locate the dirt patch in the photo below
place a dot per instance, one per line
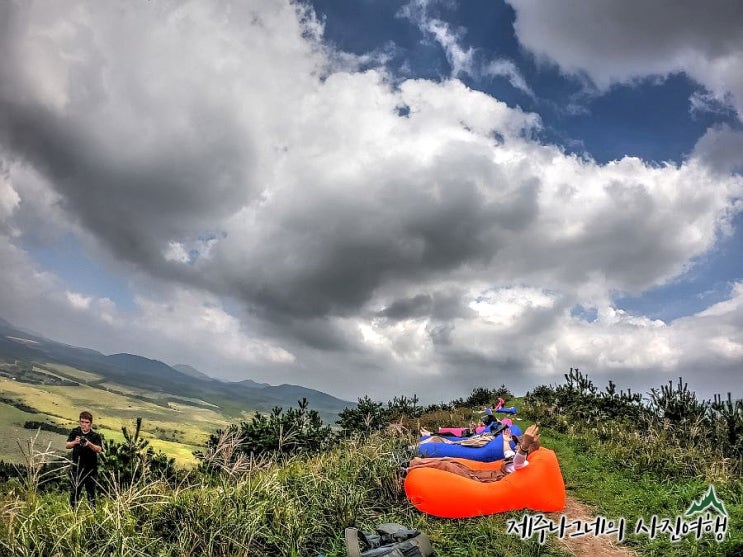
(588, 545)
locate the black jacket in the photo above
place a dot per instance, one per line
(85, 457)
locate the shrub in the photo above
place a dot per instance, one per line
(482, 397)
(134, 459)
(46, 426)
(368, 416)
(677, 405)
(671, 433)
(403, 407)
(296, 431)
(727, 430)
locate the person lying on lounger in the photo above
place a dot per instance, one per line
(513, 461)
(471, 440)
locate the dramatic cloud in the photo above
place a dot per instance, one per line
(617, 42)
(283, 215)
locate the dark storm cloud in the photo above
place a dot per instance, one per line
(613, 42)
(630, 30)
(133, 204)
(440, 333)
(317, 333)
(142, 135)
(329, 253)
(487, 372)
(154, 160)
(417, 306)
(442, 306)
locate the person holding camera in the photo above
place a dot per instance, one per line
(85, 444)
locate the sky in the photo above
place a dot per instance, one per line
(380, 197)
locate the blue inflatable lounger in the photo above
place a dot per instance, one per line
(490, 452)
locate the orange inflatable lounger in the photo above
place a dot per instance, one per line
(538, 486)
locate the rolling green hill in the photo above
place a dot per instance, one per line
(154, 376)
(45, 381)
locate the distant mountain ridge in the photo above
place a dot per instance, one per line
(193, 372)
(190, 370)
(179, 380)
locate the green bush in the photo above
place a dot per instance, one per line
(367, 417)
(296, 431)
(46, 426)
(134, 459)
(678, 404)
(727, 429)
(482, 397)
(670, 433)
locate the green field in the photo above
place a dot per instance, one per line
(70, 372)
(175, 426)
(13, 433)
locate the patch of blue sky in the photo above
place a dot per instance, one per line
(708, 281)
(68, 260)
(202, 246)
(588, 314)
(488, 25)
(364, 26)
(650, 119)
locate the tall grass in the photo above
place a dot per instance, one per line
(618, 451)
(39, 465)
(296, 505)
(642, 456)
(281, 507)
(670, 433)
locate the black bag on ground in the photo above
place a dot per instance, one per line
(390, 540)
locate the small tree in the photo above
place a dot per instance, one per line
(296, 431)
(135, 458)
(728, 429)
(367, 417)
(403, 407)
(677, 404)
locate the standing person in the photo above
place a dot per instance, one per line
(85, 444)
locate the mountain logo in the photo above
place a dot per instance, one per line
(706, 503)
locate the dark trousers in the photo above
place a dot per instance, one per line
(81, 478)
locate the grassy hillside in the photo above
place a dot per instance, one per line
(623, 458)
(300, 506)
(12, 432)
(174, 425)
(29, 358)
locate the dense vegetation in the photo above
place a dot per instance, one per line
(286, 483)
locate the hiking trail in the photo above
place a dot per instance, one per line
(589, 546)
